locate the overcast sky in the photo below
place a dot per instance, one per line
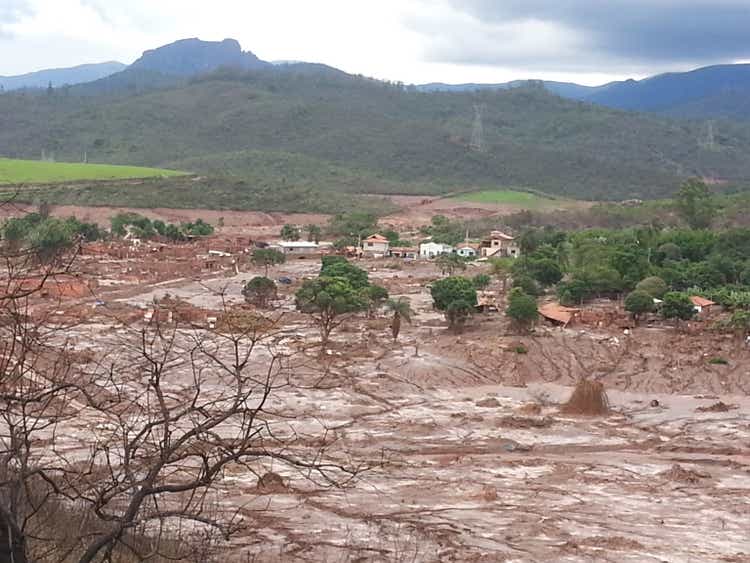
(414, 41)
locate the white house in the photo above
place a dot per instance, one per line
(376, 245)
(301, 247)
(433, 249)
(466, 251)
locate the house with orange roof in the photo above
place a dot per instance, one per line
(376, 245)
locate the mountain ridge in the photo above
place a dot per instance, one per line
(57, 77)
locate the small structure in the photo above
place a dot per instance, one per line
(487, 301)
(701, 304)
(407, 253)
(558, 314)
(466, 251)
(500, 245)
(375, 245)
(302, 248)
(434, 249)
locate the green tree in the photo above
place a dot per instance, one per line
(330, 260)
(355, 224)
(267, 257)
(545, 271)
(328, 301)
(290, 233)
(522, 309)
(374, 296)
(160, 227)
(526, 283)
(638, 303)
(677, 306)
(695, 204)
(654, 286)
(740, 322)
(49, 238)
(457, 313)
(314, 233)
(259, 291)
(444, 231)
(356, 276)
(449, 264)
(401, 309)
(669, 251)
(173, 232)
(199, 228)
(456, 297)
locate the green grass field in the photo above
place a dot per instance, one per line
(525, 200)
(37, 172)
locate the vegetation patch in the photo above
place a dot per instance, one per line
(14, 171)
(526, 200)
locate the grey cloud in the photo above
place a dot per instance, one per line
(590, 35)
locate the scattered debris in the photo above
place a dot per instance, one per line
(489, 402)
(681, 475)
(720, 406)
(524, 422)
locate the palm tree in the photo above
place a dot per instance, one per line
(401, 308)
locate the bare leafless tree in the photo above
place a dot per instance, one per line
(135, 441)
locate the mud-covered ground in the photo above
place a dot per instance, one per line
(469, 457)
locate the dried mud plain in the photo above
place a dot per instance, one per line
(470, 457)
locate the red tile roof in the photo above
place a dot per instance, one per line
(701, 301)
(377, 238)
(556, 312)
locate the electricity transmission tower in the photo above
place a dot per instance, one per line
(477, 134)
(709, 142)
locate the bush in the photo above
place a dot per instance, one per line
(481, 281)
(718, 361)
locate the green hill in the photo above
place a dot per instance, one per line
(303, 128)
(14, 171)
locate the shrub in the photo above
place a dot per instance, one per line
(718, 361)
(481, 281)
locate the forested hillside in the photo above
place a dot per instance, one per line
(315, 127)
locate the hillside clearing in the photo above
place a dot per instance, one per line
(13, 171)
(521, 199)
